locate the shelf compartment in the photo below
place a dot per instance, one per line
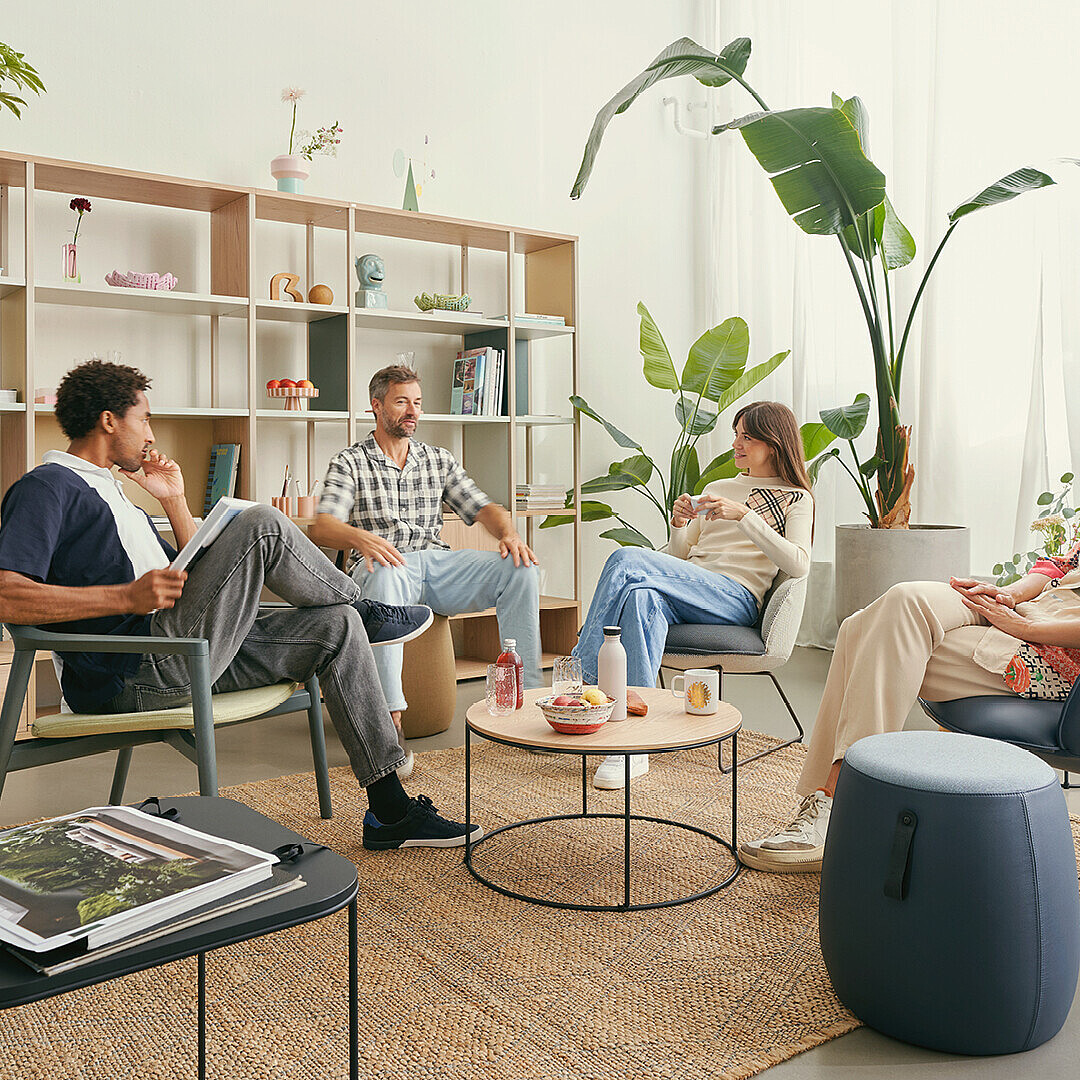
(194, 413)
(419, 322)
(310, 416)
(290, 311)
(9, 285)
(547, 603)
(156, 300)
(536, 332)
(545, 421)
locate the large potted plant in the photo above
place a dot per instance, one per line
(713, 378)
(817, 161)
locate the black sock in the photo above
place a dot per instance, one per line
(387, 799)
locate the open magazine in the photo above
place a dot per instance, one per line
(111, 871)
(225, 509)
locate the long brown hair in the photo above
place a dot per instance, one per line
(775, 425)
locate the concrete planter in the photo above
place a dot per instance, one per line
(870, 561)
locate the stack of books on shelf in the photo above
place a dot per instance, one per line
(536, 320)
(540, 497)
(79, 888)
(479, 386)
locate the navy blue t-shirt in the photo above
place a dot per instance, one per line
(68, 522)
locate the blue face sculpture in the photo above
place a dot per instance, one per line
(370, 271)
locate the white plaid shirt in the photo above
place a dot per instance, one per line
(365, 489)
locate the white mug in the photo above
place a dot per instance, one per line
(700, 690)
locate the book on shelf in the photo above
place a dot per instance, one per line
(109, 872)
(542, 320)
(477, 384)
(221, 476)
(225, 509)
(448, 313)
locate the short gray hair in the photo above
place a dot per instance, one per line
(393, 375)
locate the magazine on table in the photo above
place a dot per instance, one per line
(109, 872)
(225, 509)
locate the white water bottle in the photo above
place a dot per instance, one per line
(611, 670)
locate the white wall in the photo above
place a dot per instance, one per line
(506, 93)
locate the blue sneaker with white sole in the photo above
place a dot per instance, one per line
(422, 826)
(392, 624)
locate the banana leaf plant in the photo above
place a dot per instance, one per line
(17, 70)
(713, 378)
(817, 160)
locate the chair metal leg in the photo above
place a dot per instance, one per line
(203, 708)
(22, 667)
(318, 747)
(1065, 782)
(772, 750)
(120, 774)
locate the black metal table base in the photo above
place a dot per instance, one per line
(626, 817)
(354, 1002)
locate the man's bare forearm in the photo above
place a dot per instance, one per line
(183, 524)
(497, 521)
(27, 602)
(328, 532)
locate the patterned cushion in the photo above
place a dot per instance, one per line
(707, 639)
(228, 708)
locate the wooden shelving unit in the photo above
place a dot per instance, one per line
(235, 295)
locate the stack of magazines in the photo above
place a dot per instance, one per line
(540, 497)
(82, 887)
(479, 386)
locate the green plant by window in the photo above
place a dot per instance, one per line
(17, 70)
(713, 378)
(1059, 525)
(817, 161)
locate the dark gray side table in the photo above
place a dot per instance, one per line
(331, 885)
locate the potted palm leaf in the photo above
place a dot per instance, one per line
(817, 161)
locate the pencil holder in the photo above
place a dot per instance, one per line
(305, 506)
(284, 503)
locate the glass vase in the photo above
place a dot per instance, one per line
(70, 253)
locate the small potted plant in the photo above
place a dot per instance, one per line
(291, 170)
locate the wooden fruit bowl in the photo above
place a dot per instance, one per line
(293, 395)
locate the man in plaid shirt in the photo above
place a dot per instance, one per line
(382, 502)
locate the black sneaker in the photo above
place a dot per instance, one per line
(420, 827)
(391, 624)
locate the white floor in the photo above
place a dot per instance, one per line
(280, 746)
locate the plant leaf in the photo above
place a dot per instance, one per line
(635, 471)
(720, 468)
(717, 359)
(682, 57)
(815, 437)
(622, 439)
(816, 164)
(590, 511)
(1004, 190)
(814, 467)
(700, 421)
(897, 244)
(868, 468)
(658, 368)
(627, 536)
(749, 379)
(1045, 499)
(847, 421)
(684, 472)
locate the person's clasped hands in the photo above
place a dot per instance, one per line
(711, 507)
(994, 603)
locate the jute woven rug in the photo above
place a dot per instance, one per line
(457, 981)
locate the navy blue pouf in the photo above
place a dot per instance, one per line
(949, 911)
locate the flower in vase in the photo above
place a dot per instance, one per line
(325, 141)
(80, 206)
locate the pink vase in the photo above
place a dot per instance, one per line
(70, 254)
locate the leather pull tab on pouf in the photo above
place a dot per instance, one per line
(949, 911)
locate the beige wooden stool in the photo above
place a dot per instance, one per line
(429, 679)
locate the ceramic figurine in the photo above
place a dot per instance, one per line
(370, 271)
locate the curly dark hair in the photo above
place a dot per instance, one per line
(92, 388)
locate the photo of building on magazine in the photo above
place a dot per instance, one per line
(60, 879)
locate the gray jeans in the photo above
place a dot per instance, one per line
(322, 634)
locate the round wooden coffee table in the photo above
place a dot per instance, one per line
(666, 729)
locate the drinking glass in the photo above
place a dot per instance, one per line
(501, 689)
(566, 675)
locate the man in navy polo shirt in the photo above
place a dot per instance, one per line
(77, 555)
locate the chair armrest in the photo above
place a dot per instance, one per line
(30, 638)
(1069, 726)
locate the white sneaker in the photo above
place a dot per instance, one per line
(798, 848)
(611, 774)
(406, 770)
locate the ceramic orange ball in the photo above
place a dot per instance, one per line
(321, 294)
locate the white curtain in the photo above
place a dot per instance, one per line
(959, 94)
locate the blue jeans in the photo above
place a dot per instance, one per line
(451, 582)
(645, 592)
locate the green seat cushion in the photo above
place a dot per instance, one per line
(228, 709)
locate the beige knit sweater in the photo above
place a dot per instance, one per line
(751, 550)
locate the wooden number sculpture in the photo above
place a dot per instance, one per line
(291, 281)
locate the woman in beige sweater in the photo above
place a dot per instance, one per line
(727, 545)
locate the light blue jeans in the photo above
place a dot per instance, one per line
(645, 592)
(452, 582)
